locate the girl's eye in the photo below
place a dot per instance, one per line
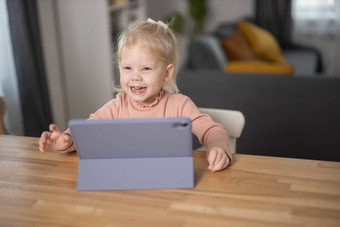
(127, 68)
(146, 69)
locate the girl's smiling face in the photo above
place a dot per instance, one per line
(142, 74)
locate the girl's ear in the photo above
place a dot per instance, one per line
(168, 73)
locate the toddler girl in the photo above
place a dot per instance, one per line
(148, 59)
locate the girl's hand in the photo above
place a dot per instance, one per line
(217, 159)
(55, 140)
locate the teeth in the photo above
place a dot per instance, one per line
(138, 88)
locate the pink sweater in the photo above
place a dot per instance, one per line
(168, 104)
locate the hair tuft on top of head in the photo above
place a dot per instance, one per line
(161, 23)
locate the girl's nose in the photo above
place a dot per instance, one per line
(136, 77)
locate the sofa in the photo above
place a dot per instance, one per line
(233, 47)
(286, 116)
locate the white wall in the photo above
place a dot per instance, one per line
(86, 54)
(52, 54)
(77, 49)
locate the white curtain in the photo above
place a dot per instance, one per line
(317, 23)
(8, 81)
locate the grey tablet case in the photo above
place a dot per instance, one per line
(148, 153)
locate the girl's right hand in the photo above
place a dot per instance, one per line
(55, 140)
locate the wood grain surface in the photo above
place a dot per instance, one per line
(39, 189)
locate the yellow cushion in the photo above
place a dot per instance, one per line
(258, 67)
(262, 42)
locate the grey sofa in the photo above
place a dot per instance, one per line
(285, 116)
(206, 52)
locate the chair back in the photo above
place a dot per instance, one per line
(233, 121)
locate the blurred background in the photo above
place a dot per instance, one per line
(57, 57)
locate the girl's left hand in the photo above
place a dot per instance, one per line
(217, 159)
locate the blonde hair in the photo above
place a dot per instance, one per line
(158, 39)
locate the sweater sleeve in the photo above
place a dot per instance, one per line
(208, 132)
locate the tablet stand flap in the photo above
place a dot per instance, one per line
(135, 173)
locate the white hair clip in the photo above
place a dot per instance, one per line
(159, 23)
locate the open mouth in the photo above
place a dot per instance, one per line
(137, 89)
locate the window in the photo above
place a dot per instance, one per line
(316, 23)
(314, 9)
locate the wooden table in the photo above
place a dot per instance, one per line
(39, 189)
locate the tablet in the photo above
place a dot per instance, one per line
(135, 153)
